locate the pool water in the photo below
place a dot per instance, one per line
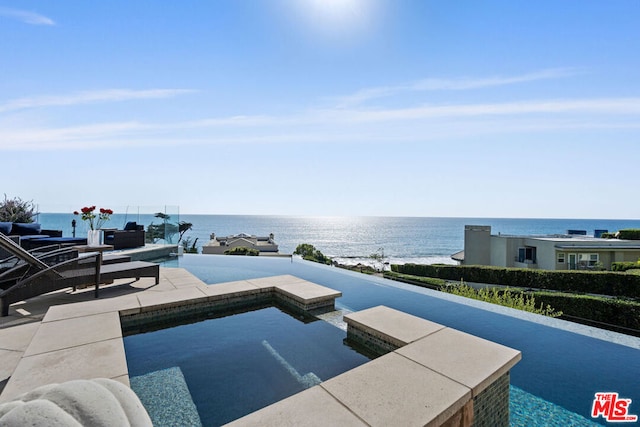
(562, 363)
(231, 366)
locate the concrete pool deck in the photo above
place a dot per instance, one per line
(64, 336)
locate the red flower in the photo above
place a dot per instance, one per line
(89, 215)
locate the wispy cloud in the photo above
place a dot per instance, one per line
(463, 83)
(26, 16)
(89, 97)
(422, 123)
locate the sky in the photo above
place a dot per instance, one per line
(524, 109)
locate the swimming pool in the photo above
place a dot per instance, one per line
(563, 363)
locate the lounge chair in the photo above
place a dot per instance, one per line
(38, 275)
(44, 253)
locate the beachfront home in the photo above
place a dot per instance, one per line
(572, 251)
(218, 245)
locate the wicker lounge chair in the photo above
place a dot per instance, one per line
(38, 275)
(48, 254)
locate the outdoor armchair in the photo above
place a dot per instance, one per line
(132, 236)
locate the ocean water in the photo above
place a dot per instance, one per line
(353, 239)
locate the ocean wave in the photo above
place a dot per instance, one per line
(355, 260)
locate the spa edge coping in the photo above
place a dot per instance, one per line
(84, 341)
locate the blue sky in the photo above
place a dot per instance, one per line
(334, 107)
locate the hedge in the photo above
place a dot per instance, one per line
(612, 311)
(600, 282)
(629, 234)
(427, 282)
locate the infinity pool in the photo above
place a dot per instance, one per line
(563, 364)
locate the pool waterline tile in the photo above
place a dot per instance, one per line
(173, 298)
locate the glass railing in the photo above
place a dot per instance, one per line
(161, 223)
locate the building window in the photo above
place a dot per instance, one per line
(560, 257)
(588, 260)
(527, 254)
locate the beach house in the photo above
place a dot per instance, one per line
(219, 244)
(574, 250)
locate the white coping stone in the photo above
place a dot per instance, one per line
(396, 326)
(307, 292)
(77, 331)
(312, 407)
(105, 359)
(467, 359)
(88, 308)
(393, 390)
(285, 279)
(229, 289)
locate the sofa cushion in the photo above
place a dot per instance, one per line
(22, 229)
(5, 228)
(131, 225)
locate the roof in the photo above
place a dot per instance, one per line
(578, 241)
(603, 246)
(458, 256)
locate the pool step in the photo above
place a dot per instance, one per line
(335, 318)
(166, 398)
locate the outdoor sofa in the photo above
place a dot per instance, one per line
(32, 235)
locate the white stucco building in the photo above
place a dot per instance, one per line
(218, 245)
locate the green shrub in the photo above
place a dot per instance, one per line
(241, 250)
(17, 210)
(505, 297)
(310, 253)
(629, 234)
(189, 247)
(624, 266)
